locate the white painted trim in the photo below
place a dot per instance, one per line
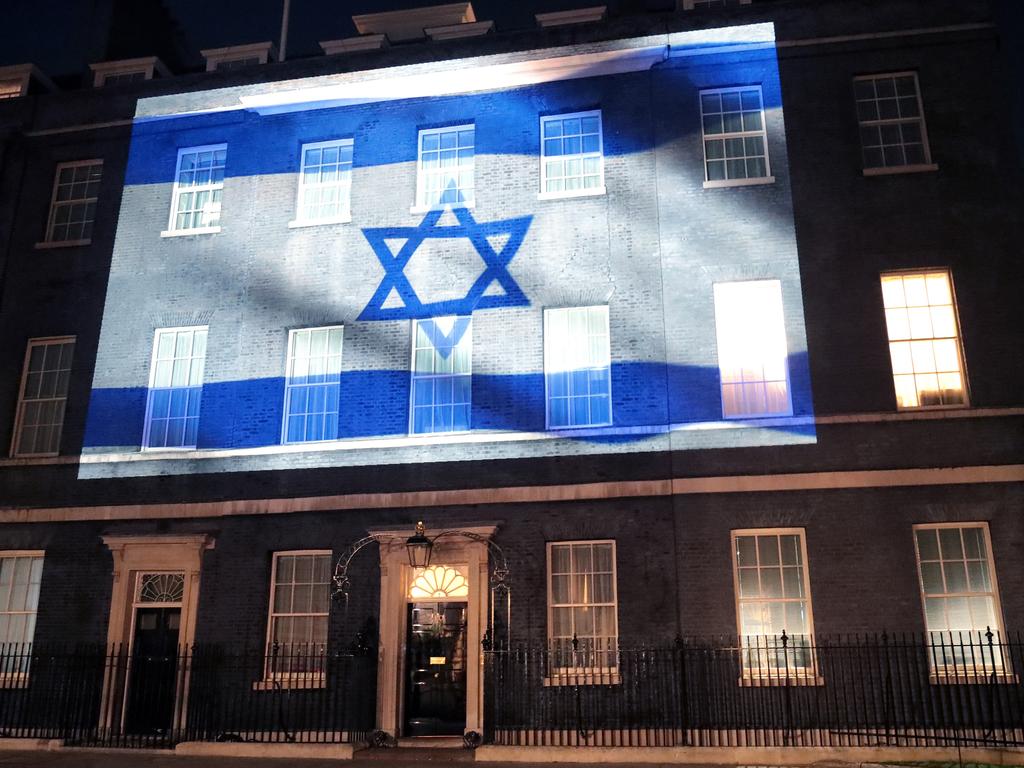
(495, 436)
(187, 232)
(581, 155)
(588, 429)
(421, 205)
(724, 183)
(265, 51)
(298, 221)
(146, 424)
(19, 413)
(287, 375)
(803, 675)
(761, 134)
(271, 680)
(533, 494)
(176, 190)
(48, 241)
(944, 675)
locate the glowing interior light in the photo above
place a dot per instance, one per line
(752, 353)
(923, 339)
(439, 581)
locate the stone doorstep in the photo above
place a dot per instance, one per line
(834, 757)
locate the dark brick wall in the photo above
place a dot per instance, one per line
(673, 560)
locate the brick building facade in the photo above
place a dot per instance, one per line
(875, 161)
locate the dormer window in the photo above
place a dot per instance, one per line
(127, 71)
(238, 56)
(17, 80)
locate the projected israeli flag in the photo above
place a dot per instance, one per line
(544, 253)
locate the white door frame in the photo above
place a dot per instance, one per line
(395, 578)
(133, 555)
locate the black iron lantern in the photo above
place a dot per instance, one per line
(419, 546)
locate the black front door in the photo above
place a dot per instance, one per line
(435, 670)
(151, 686)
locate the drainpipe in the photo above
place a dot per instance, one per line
(284, 30)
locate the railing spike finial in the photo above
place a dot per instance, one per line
(785, 639)
(575, 642)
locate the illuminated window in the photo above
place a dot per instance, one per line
(577, 367)
(175, 388)
(958, 593)
(445, 166)
(892, 129)
(752, 354)
(11, 89)
(773, 594)
(313, 384)
(325, 183)
(572, 159)
(735, 143)
(199, 181)
(582, 605)
(442, 374)
(439, 581)
(73, 204)
(20, 576)
(299, 605)
(924, 342)
(44, 393)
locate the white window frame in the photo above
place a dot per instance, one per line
(148, 66)
(547, 394)
(152, 382)
(345, 216)
(981, 672)
(176, 192)
(413, 378)
(288, 387)
(788, 410)
(19, 678)
(48, 241)
(958, 341)
(421, 205)
(886, 170)
(20, 412)
(762, 134)
(584, 675)
(261, 52)
(798, 675)
(600, 189)
(271, 678)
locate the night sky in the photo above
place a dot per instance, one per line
(56, 34)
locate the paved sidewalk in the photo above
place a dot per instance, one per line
(394, 758)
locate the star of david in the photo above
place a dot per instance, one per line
(495, 287)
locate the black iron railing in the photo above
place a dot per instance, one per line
(106, 696)
(941, 689)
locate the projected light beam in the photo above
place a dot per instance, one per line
(395, 297)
